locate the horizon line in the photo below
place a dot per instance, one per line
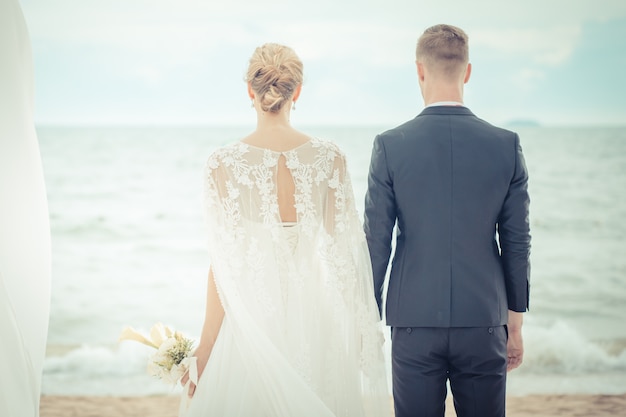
(511, 124)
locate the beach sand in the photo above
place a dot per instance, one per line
(167, 406)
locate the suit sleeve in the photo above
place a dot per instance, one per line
(380, 216)
(514, 235)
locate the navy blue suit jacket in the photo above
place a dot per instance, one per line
(457, 188)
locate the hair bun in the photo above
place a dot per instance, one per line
(274, 73)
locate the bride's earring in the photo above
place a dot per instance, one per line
(293, 107)
(252, 103)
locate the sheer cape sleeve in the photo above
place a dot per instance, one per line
(348, 261)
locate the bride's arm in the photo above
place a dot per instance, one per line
(212, 319)
(212, 322)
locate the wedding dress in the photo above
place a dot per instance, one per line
(24, 227)
(301, 334)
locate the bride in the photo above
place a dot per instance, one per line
(291, 326)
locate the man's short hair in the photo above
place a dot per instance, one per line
(444, 48)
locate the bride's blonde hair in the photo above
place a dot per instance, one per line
(274, 73)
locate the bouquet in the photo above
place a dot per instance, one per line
(173, 352)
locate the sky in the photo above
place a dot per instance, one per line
(182, 62)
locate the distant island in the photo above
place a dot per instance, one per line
(523, 123)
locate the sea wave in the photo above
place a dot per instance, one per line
(560, 349)
(102, 370)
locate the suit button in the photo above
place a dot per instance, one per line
(490, 330)
(409, 330)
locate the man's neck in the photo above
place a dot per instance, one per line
(447, 98)
(442, 92)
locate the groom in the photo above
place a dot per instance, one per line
(459, 281)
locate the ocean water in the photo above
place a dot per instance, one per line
(128, 247)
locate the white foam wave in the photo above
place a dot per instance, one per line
(99, 370)
(560, 349)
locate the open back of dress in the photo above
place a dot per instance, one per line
(285, 192)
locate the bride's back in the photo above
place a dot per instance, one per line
(281, 140)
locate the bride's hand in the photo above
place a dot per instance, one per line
(202, 359)
(210, 329)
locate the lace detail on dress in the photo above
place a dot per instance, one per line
(264, 180)
(301, 291)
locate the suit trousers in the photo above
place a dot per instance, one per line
(473, 359)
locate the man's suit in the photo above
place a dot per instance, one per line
(457, 188)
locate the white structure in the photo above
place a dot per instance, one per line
(24, 226)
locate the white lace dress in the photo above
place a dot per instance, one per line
(301, 334)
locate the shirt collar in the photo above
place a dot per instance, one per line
(446, 103)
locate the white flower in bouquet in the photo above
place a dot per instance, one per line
(172, 357)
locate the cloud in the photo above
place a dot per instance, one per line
(161, 61)
(547, 46)
(364, 43)
(585, 89)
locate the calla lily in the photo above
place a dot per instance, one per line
(157, 334)
(131, 334)
(169, 332)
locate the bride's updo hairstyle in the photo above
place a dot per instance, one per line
(274, 73)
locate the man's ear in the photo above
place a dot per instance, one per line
(420, 70)
(468, 72)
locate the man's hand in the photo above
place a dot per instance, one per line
(515, 344)
(514, 350)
